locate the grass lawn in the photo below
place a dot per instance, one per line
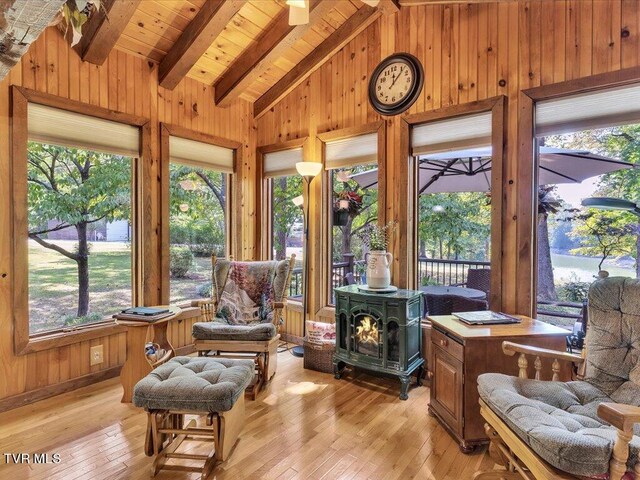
(53, 283)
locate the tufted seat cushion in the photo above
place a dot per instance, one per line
(194, 384)
(557, 420)
(222, 331)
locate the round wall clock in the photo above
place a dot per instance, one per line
(396, 83)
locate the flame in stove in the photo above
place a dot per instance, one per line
(367, 331)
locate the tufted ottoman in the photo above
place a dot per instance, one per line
(200, 386)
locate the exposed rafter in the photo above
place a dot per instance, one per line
(102, 31)
(276, 39)
(196, 39)
(354, 25)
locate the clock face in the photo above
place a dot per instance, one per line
(396, 83)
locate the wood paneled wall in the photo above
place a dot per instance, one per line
(128, 84)
(469, 52)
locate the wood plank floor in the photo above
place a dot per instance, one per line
(305, 424)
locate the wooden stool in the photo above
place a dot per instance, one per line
(166, 430)
(193, 386)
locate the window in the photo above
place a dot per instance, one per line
(353, 181)
(80, 218)
(454, 160)
(199, 187)
(586, 147)
(285, 219)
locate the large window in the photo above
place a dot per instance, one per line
(284, 218)
(352, 164)
(80, 218)
(454, 164)
(588, 146)
(199, 187)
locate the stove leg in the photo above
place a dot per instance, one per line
(419, 375)
(337, 370)
(404, 387)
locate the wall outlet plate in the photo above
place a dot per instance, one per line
(97, 355)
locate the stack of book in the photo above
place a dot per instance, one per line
(143, 314)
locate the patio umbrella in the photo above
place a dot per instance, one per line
(469, 170)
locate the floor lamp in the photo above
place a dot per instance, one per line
(308, 171)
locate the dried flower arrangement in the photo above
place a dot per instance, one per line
(376, 237)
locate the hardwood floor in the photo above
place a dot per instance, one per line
(305, 424)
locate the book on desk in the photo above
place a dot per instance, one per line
(485, 317)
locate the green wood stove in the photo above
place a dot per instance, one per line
(379, 332)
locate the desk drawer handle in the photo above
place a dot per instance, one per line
(444, 343)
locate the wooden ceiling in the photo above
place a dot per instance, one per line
(243, 47)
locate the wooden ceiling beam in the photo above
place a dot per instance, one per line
(278, 37)
(195, 40)
(103, 29)
(354, 25)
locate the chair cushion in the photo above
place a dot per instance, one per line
(613, 338)
(195, 384)
(223, 331)
(557, 420)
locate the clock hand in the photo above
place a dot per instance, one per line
(393, 81)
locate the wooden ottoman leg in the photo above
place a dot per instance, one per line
(230, 424)
(272, 360)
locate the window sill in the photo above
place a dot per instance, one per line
(47, 341)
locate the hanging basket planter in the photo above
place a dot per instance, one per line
(340, 218)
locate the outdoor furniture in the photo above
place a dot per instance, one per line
(196, 386)
(349, 279)
(478, 279)
(576, 429)
(448, 304)
(243, 316)
(438, 300)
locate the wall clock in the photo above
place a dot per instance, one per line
(396, 83)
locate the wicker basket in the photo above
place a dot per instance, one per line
(319, 357)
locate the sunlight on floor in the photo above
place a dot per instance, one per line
(304, 388)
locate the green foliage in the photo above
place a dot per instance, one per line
(284, 213)
(181, 260)
(454, 224)
(73, 186)
(345, 239)
(605, 233)
(573, 291)
(197, 209)
(73, 320)
(376, 237)
(204, 290)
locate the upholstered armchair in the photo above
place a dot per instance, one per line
(243, 315)
(578, 429)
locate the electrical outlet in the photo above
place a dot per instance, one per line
(97, 355)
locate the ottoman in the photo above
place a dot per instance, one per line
(198, 386)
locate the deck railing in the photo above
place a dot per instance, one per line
(436, 271)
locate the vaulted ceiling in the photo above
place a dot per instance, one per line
(245, 48)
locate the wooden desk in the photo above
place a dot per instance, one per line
(136, 366)
(460, 353)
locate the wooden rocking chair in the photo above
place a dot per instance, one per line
(216, 337)
(575, 430)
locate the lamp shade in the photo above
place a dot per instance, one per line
(309, 169)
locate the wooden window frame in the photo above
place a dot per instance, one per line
(233, 204)
(323, 256)
(265, 213)
(408, 171)
(142, 257)
(527, 185)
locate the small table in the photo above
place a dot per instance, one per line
(459, 291)
(137, 366)
(461, 352)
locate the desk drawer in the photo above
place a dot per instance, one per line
(447, 344)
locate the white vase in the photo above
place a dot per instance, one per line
(378, 271)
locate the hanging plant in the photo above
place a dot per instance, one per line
(74, 14)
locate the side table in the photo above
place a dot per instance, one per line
(137, 366)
